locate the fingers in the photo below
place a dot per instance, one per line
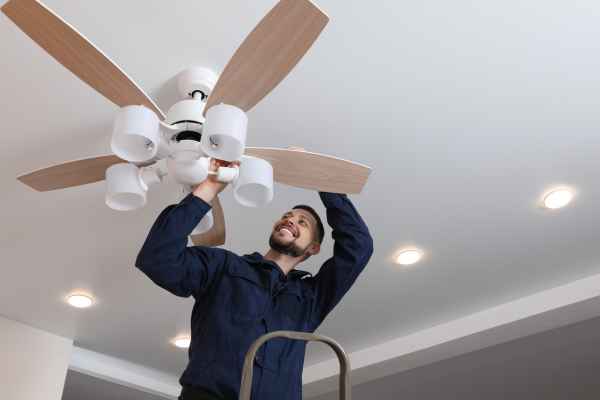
(215, 164)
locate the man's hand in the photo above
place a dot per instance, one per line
(211, 187)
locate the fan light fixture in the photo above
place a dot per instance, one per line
(136, 134)
(254, 185)
(208, 121)
(224, 134)
(189, 172)
(126, 185)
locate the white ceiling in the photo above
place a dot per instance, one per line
(467, 111)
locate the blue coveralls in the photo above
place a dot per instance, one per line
(238, 299)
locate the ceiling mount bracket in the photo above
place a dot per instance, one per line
(196, 80)
(203, 96)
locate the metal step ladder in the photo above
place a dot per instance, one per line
(246, 386)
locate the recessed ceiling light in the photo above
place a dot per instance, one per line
(80, 300)
(409, 256)
(558, 198)
(183, 342)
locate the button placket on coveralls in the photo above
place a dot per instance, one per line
(277, 283)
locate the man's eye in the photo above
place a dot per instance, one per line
(303, 222)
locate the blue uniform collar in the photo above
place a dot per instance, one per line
(256, 259)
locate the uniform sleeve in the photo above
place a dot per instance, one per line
(352, 250)
(167, 260)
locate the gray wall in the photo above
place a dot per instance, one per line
(33, 363)
(558, 364)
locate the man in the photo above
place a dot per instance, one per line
(238, 299)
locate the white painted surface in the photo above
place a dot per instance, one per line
(33, 363)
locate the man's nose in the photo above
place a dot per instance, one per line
(291, 221)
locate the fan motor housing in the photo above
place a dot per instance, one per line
(190, 110)
(186, 116)
(194, 86)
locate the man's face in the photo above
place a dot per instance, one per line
(294, 234)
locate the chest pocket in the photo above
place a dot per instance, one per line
(248, 293)
(292, 308)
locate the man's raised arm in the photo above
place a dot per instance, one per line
(352, 250)
(165, 257)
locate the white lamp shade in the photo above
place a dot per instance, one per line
(188, 172)
(224, 133)
(136, 134)
(125, 190)
(205, 224)
(254, 184)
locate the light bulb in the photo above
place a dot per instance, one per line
(80, 300)
(409, 256)
(182, 342)
(558, 198)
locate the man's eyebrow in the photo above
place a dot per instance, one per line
(303, 215)
(306, 218)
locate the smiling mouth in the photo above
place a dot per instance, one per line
(287, 228)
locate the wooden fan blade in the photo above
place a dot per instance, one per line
(76, 53)
(313, 170)
(69, 174)
(269, 53)
(216, 235)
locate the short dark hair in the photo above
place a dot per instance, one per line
(320, 228)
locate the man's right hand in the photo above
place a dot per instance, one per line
(211, 187)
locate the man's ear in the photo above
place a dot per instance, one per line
(314, 248)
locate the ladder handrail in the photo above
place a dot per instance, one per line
(246, 385)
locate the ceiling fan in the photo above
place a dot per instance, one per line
(210, 121)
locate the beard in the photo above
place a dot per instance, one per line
(291, 249)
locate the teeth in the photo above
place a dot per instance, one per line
(289, 231)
